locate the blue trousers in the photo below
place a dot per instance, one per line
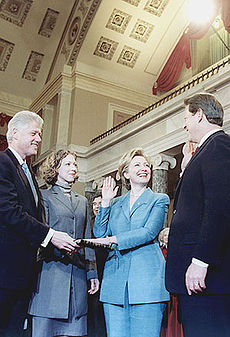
(134, 320)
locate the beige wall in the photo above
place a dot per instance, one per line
(90, 115)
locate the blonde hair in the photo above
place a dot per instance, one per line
(125, 161)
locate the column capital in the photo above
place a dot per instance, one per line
(163, 161)
(97, 184)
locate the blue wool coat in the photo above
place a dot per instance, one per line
(137, 262)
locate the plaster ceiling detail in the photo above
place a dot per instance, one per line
(33, 66)
(15, 11)
(87, 9)
(128, 56)
(48, 23)
(133, 2)
(156, 7)
(118, 21)
(6, 49)
(106, 48)
(142, 30)
(122, 43)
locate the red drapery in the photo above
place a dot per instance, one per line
(4, 119)
(181, 54)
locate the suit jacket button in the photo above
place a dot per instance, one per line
(174, 212)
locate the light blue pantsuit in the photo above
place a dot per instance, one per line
(133, 319)
(133, 286)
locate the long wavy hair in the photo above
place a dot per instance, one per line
(52, 163)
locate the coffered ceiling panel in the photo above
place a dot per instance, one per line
(125, 42)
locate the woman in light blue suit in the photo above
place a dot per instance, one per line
(133, 286)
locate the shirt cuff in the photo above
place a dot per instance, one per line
(199, 262)
(48, 238)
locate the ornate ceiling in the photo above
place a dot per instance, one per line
(125, 42)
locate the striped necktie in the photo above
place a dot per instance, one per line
(28, 175)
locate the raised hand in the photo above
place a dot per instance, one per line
(109, 191)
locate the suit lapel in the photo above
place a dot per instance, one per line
(75, 200)
(194, 157)
(59, 195)
(140, 201)
(22, 175)
(125, 205)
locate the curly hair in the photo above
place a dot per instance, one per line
(125, 161)
(52, 163)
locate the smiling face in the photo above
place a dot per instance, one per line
(26, 141)
(67, 171)
(138, 171)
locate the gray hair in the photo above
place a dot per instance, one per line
(21, 120)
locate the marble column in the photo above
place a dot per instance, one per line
(161, 164)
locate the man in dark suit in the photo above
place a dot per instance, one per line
(22, 229)
(199, 241)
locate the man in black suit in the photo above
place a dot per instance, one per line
(22, 228)
(198, 254)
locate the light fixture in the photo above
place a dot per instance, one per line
(200, 11)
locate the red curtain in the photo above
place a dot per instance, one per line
(181, 54)
(226, 14)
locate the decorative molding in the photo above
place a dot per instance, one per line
(133, 2)
(15, 11)
(118, 21)
(106, 48)
(33, 66)
(74, 30)
(105, 88)
(156, 7)
(48, 23)
(141, 30)
(81, 33)
(128, 56)
(10, 104)
(6, 49)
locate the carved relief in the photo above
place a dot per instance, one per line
(33, 66)
(133, 2)
(118, 21)
(74, 30)
(79, 31)
(106, 48)
(15, 11)
(48, 22)
(6, 49)
(156, 7)
(141, 30)
(128, 56)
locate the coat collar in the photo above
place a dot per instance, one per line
(124, 202)
(59, 195)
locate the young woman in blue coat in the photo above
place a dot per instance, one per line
(133, 287)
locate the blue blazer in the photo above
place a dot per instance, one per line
(137, 262)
